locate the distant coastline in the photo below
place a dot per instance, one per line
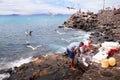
(37, 15)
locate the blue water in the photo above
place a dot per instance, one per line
(13, 38)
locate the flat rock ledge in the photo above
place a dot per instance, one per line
(51, 67)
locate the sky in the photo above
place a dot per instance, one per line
(25, 7)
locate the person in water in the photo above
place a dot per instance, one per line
(71, 51)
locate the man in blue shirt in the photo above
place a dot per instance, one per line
(71, 50)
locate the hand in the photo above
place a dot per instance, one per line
(91, 51)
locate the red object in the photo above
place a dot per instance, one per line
(112, 51)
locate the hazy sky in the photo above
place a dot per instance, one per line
(52, 6)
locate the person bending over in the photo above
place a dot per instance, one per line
(88, 44)
(71, 50)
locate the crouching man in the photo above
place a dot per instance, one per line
(71, 51)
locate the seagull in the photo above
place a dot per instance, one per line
(33, 48)
(27, 43)
(60, 33)
(68, 41)
(28, 33)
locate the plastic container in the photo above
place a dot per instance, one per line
(112, 61)
(104, 63)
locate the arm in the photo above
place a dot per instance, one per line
(80, 52)
(89, 48)
(74, 51)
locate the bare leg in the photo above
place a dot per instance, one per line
(72, 64)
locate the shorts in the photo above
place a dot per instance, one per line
(70, 54)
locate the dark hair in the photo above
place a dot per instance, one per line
(81, 43)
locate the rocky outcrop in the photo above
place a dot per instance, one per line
(105, 25)
(108, 27)
(81, 21)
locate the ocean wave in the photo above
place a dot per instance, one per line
(16, 63)
(5, 75)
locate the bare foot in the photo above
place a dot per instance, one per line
(72, 68)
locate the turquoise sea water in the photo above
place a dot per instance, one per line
(46, 34)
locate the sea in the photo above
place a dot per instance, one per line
(46, 37)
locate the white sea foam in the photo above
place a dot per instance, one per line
(60, 33)
(5, 75)
(68, 41)
(80, 38)
(65, 28)
(16, 63)
(86, 36)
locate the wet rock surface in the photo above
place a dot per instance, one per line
(52, 67)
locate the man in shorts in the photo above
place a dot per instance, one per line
(71, 50)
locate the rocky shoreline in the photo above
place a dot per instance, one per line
(51, 67)
(56, 67)
(104, 26)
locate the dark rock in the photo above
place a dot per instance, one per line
(9, 71)
(116, 12)
(53, 67)
(116, 78)
(105, 24)
(61, 26)
(106, 73)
